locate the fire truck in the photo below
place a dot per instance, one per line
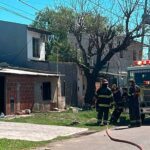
(140, 72)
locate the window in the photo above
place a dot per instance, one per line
(36, 47)
(46, 91)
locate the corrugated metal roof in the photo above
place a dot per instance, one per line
(24, 72)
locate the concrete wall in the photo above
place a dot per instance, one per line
(39, 104)
(13, 43)
(16, 44)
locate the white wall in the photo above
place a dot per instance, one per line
(30, 35)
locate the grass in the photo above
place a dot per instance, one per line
(83, 119)
(6, 144)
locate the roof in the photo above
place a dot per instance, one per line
(114, 74)
(39, 30)
(25, 72)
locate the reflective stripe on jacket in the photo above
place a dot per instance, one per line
(104, 97)
(104, 105)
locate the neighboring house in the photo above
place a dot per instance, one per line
(120, 61)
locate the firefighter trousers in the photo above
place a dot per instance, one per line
(115, 115)
(134, 113)
(102, 115)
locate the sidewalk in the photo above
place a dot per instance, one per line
(34, 132)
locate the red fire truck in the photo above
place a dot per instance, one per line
(140, 72)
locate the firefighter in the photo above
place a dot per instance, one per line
(118, 103)
(134, 107)
(104, 98)
(125, 97)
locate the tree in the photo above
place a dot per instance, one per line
(101, 34)
(86, 22)
(58, 23)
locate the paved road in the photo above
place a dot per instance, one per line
(34, 132)
(96, 141)
(100, 141)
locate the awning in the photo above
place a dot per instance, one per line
(25, 72)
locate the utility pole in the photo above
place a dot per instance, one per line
(57, 75)
(143, 28)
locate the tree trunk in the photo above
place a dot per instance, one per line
(90, 90)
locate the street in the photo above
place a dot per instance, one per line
(100, 141)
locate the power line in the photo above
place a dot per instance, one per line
(106, 9)
(16, 13)
(111, 12)
(28, 5)
(16, 8)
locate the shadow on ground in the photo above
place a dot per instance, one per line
(147, 121)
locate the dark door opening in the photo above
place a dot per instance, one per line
(2, 95)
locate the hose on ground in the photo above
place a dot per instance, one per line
(123, 141)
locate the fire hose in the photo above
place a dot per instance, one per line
(123, 141)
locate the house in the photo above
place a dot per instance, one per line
(23, 46)
(117, 66)
(23, 89)
(120, 61)
(27, 80)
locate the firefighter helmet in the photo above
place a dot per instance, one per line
(131, 80)
(104, 81)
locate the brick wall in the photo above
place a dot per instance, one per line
(21, 89)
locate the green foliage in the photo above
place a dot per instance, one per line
(58, 22)
(60, 49)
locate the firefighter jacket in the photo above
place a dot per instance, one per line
(133, 95)
(134, 92)
(117, 98)
(125, 99)
(104, 97)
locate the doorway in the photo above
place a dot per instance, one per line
(2, 94)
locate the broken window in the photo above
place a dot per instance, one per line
(46, 91)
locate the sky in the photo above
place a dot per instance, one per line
(15, 11)
(22, 9)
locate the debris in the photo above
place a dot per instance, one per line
(2, 115)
